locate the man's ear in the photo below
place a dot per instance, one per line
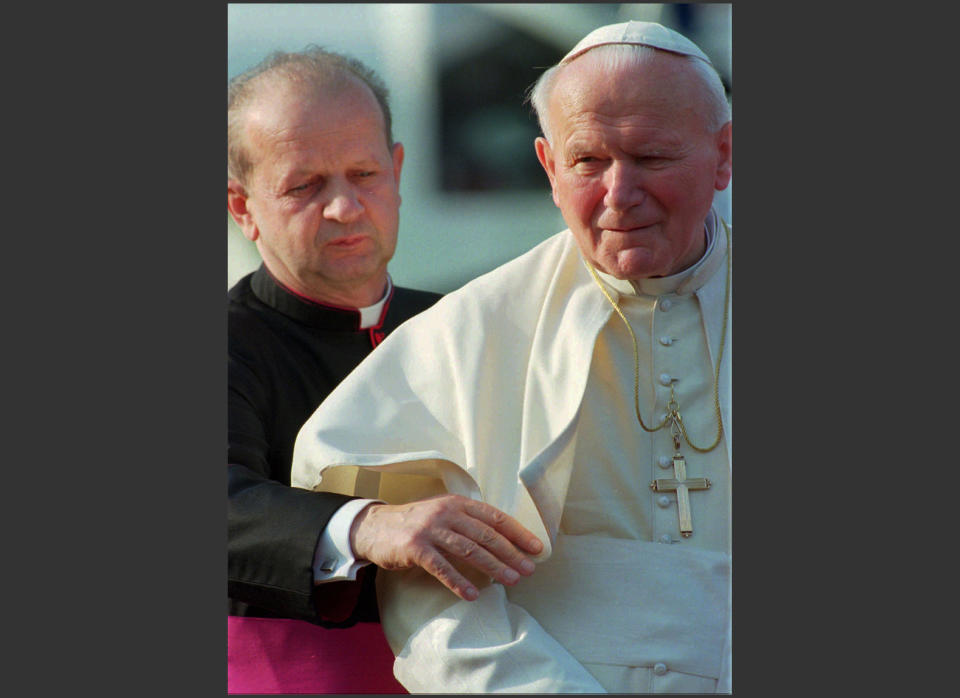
(396, 155)
(239, 211)
(545, 156)
(725, 162)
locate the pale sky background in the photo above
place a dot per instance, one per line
(446, 238)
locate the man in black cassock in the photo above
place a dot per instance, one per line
(313, 180)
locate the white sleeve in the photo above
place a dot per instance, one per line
(485, 646)
(333, 560)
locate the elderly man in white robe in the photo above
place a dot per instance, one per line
(583, 388)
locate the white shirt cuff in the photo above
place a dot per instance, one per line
(333, 560)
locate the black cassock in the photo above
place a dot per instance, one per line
(286, 354)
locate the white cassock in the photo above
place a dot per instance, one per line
(518, 390)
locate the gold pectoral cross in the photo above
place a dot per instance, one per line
(682, 486)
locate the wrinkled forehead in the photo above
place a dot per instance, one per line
(285, 103)
(615, 84)
(287, 116)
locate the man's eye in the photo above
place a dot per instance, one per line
(587, 162)
(652, 159)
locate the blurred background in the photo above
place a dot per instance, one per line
(474, 195)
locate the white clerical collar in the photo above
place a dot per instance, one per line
(683, 282)
(370, 315)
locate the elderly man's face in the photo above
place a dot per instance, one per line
(322, 201)
(632, 166)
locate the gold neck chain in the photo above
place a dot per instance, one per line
(673, 417)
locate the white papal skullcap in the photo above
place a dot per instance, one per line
(641, 33)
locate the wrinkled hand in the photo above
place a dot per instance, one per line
(431, 532)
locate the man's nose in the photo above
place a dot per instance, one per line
(343, 206)
(624, 183)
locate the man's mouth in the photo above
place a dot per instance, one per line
(347, 241)
(627, 229)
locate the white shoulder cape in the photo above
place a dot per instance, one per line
(483, 389)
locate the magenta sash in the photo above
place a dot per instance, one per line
(279, 655)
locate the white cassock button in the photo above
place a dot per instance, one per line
(666, 341)
(665, 379)
(664, 461)
(663, 501)
(665, 538)
(659, 668)
(666, 304)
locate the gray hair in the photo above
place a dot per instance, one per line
(314, 68)
(613, 57)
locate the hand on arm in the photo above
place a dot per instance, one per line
(432, 533)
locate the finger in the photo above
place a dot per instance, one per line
(490, 528)
(490, 552)
(438, 566)
(505, 525)
(474, 552)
